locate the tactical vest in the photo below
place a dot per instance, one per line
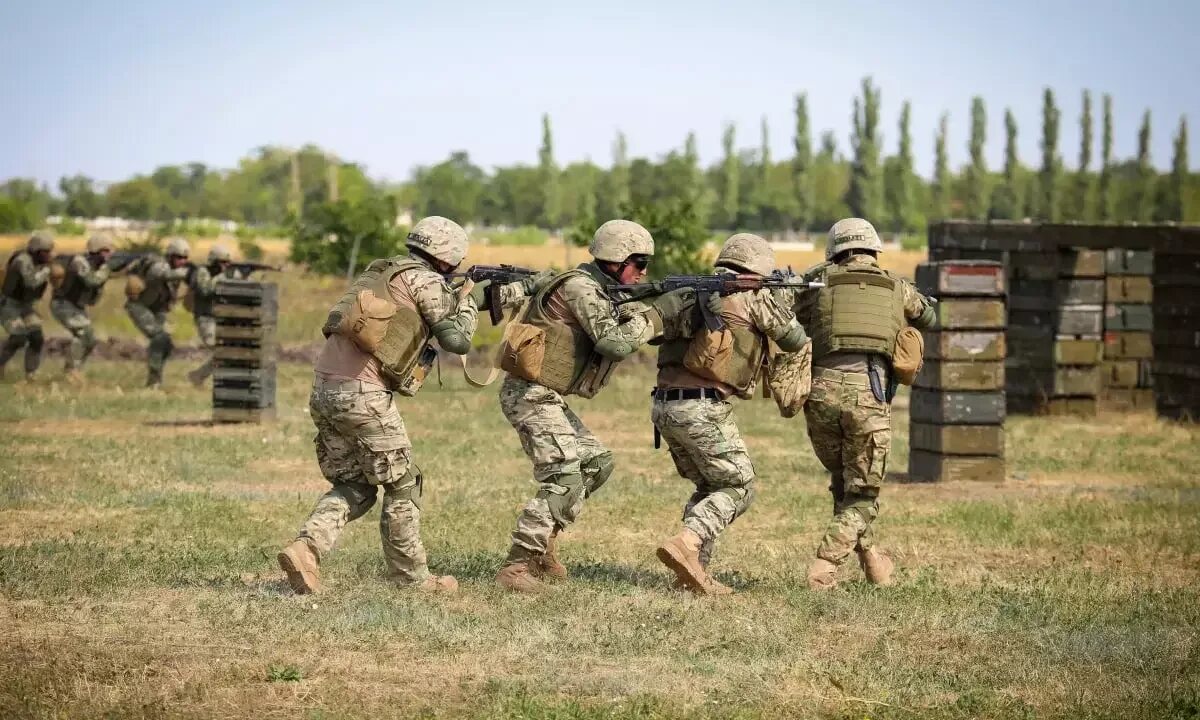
(73, 289)
(860, 309)
(568, 362)
(394, 334)
(157, 294)
(732, 356)
(14, 287)
(197, 303)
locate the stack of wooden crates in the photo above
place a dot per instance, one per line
(1128, 321)
(957, 407)
(244, 360)
(1177, 326)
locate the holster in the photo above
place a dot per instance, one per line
(879, 375)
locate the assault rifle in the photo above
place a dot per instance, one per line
(706, 285)
(499, 275)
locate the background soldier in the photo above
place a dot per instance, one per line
(82, 284)
(361, 441)
(152, 287)
(693, 414)
(854, 321)
(584, 338)
(202, 288)
(25, 280)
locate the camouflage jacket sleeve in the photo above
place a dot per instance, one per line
(204, 284)
(90, 277)
(161, 270)
(30, 273)
(917, 308)
(776, 319)
(451, 320)
(616, 336)
(512, 294)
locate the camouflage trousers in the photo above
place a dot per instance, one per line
(851, 433)
(154, 326)
(569, 463)
(708, 450)
(24, 328)
(362, 446)
(83, 338)
(206, 332)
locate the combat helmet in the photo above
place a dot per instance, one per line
(99, 243)
(39, 241)
(616, 240)
(178, 247)
(852, 234)
(749, 252)
(440, 238)
(219, 253)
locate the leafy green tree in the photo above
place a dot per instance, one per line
(513, 196)
(866, 181)
(618, 179)
(731, 166)
(679, 237)
(1171, 201)
(898, 176)
(549, 176)
(324, 238)
(1049, 208)
(1107, 200)
(940, 195)
(977, 192)
(452, 188)
(1082, 202)
(1008, 202)
(1146, 177)
(802, 166)
(80, 198)
(831, 181)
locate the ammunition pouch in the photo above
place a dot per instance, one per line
(909, 355)
(134, 287)
(789, 379)
(58, 275)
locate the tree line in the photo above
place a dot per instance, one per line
(746, 189)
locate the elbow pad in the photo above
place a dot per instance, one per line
(616, 348)
(926, 319)
(451, 338)
(793, 338)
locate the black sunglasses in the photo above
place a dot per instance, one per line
(641, 263)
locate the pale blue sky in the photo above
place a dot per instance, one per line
(109, 89)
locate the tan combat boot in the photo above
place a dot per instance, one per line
(548, 565)
(877, 566)
(302, 567)
(682, 555)
(822, 575)
(519, 577)
(438, 584)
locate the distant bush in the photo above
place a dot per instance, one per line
(324, 237)
(912, 242)
(250, 249)
(68, 226)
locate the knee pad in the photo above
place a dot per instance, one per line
(742, 497)
(410, 487)
(597, 471)
(564, 496)
(360, 498)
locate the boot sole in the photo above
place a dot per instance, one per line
(301, 581)
(674, 560)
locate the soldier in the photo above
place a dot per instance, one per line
(25, 280)
(81, 286)
(378, 339)
(854, 321)
(582, 337)
(693, 413)
(202, 288)
(153, 285)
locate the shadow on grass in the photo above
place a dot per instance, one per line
(179, 423)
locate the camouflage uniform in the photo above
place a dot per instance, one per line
(850, 429)
(149, 310)
(569, 463)
(80, 289)
(25, 282)
(361, 442)
(203, 286)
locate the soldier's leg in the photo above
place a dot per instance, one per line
(14, 325)
(867, 439)
(400, 529)
(206, 331)
(153, 326)
(83, 337)
(595, 460)
(539, 416)
(33, 350)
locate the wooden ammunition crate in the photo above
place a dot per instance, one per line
(1128, 289)
(956, 408)
(1082, 263)
(969, 375)
(931, 467)
(1042, 405)
(971, 314)
(964, 345)
(1128, 262)
(957, 439)
(1128, 345)
(1119, 373)
(1053, 382)
(1128, 399)
(961, 277)
(1128, 317)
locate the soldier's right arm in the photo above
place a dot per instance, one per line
(451, 319)
(615, 337)
(778, 321)
(91, 278)
(917, 308)
(31, 274)
(161, 270)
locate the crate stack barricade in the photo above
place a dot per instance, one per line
(1127, 374)
(957, 406)
(244, 360)
(1176, 334)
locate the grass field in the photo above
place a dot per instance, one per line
(137, 574)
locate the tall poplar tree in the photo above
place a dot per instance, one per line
(898, 175)
(729, 172)
(866, 181)
(1008, 202)
(802, 163)
(1082, 206)
(1106, 200)
(548, 178)
(977, 191)
(940, 195)
(1048, 207)
(1144, 193)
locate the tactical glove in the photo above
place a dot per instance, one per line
(534, 283)
(479, 294)
(673, 309)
